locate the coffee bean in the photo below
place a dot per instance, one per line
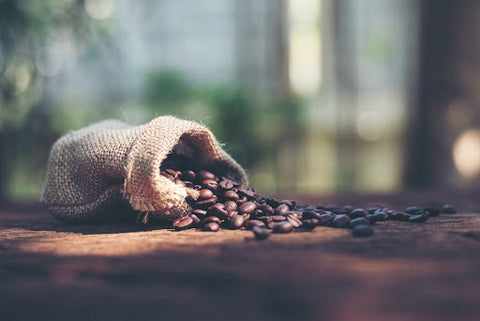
(362, 231)
(247, 207)
(230, 205)
(182, 223)
(188, 176)
(251, 223)
(211, 227)
(278, 218)
(236, 222)
(200, 213)
(412, 210)
(310, 224)
(282, 209)
(311, 214)
(358, 212)
(232, 213)
(230, 195)
(265, 219)
(210, 184)
(290, 203)
(348, 208)
(373, 209)
(266, 209)
(449, 209)
(283, 227)
(218, 210)
(246, 216)
(204, 204)
(341, 221)
(358, 221)
(260, 233)
(205, 194)
(420, 217)
(326, 219)
(203, 175)
(402, 216)
(195, 219)
(293, 219)
(433, 210)
(210, 219)
(372, 218)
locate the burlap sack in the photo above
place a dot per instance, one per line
(96, 172)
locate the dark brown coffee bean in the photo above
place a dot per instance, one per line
(272, 202)
(358, 221)
(242, 200)
(258, 213)
(247, 192)
(200, 213)
(278, 218)
(358, 212)
(246, 216)
(412, 210)
(449, 209)
(203, 175)
(178, 181)
(293, 219)
(341, 221)
(210, 184)
(310, 223)
(420, 217)
(265, 219)
(283, 227)
(182, 223)
(251, 223)
(173, 172)
(236, 222)
(205, 194)
(375, 208)
(326, 219)
(226, 184)
(211, 227)
(433, 210)
(218, 210)
(282, 209)
(210, 219)
(260, 233)
(204, 204)
(230, 195)
(311, 214)
(362, 231)
(266, 209)
(247, 207)
(188, 176)
(232, 213)
(195, 219)
(290, 203)
(230, 206)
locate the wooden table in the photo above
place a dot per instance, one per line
(405, 271)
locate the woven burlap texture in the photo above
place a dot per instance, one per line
(97, 170)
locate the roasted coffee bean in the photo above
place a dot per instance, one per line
(310, 224)
(381, 216)
(265, 219)
(358, 221)
(358, 212)
(210, 219)
(290, 203)
(348, 208)
(230, 195)
(402, 216)
(372, 218)
(266, 209)
(218, 210)
(242, 200)
(362, 231)
(211, 184)
(247, 192)
(211, 227)
(278, 218)
(182, 223)
(257, 213)
(246, 216)
(311, 214)
(420, 217)
(326, 219)
(282, 209)
(200, 213)
(205, 194)
(236, 222)
(433, 210)
(173, 172)
(232, 213)
(247, 207)
(341, 221)
(283, 227)
(203, 175)
(373, 209)
(188, 176)
(251, 223)
(195, 219)
(293, 219)
(204, 204)
(272, 202)
(412, 210)
(449, 209)
(260, 233)
(270, 224)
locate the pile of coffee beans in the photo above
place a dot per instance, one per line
(223, 204)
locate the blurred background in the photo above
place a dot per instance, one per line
(312, 96)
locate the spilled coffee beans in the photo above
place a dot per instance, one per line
(222, 203)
